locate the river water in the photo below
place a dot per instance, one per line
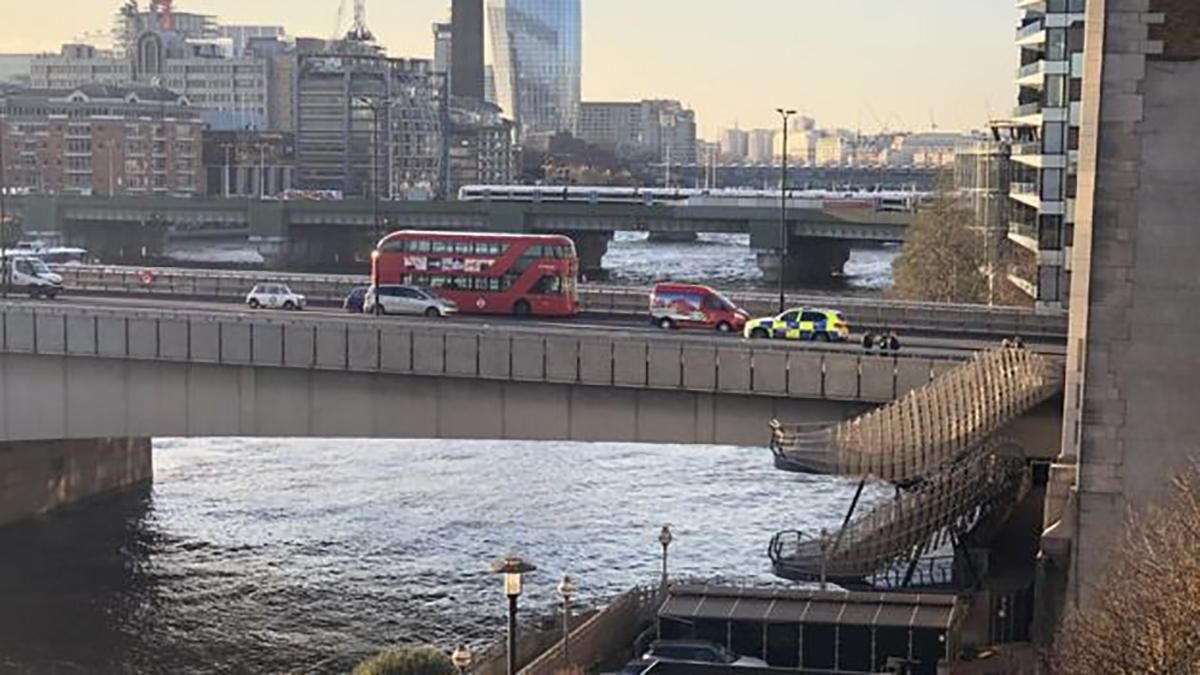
(724, 260)
(256, 556)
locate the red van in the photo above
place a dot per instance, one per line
(691, 306)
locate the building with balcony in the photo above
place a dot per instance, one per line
(1045, 148)
(102, 140)
(538, 58)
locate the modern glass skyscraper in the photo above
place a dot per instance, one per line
(538, 59)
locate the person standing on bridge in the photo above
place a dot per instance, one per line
(892, 342)
(868, 341)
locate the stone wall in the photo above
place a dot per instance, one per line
(1129, 419)
(1180, 30)
(39, 476)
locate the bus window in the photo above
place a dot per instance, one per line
(548, 285)
(463, 247)
(440, 247)
(419, 246)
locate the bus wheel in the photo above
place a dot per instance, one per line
(521, 308)
(724, 327)
(666, 324)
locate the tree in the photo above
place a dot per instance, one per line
(942, 258)
(1146, 621)
(407, 661)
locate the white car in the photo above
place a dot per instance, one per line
(274, 296)
(395, 299)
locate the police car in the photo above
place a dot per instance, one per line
(800, 324)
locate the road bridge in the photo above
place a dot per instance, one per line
(619, 303)
(82, 371)
(329, 234)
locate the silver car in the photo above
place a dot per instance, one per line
(406, 300)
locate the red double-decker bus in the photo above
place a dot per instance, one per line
(484, 273)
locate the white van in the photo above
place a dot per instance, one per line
(27, 274)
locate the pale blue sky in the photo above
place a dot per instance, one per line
(908, 61)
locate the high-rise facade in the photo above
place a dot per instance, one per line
(1045, 153)
(538, 59)
(734, 144)
(466, 64)
(652, 130)
(367, 124)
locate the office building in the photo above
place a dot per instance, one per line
(1045, 154)
(367, 124)
(466, 64)
(538, 64)
(180, 51)
(15, 69)
(443, 49)
(479, 148)
(101, 140)
(734, 144)
(651, 130)
(760, 146)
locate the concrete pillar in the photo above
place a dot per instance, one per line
(39, 476)
(591, 247)
(809, 260)
(1129, 422)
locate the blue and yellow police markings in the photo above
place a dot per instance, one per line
(800, 324)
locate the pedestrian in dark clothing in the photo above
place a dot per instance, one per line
(868, 341)
(893, 342)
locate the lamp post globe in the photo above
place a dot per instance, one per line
(461, 658)
(665, 538)
(512, 568)
(566, 590)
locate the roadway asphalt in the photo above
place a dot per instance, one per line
(930, 345)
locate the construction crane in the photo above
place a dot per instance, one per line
(359, 31)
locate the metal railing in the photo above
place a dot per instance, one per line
(1031, 29)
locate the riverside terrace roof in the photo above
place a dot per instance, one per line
(779, 605)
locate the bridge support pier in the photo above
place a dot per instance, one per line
(39, 476)
(808, 260)
(591, 247)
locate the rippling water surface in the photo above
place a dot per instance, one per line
(727, 260)
(254, 555)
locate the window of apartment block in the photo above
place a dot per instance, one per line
(1049, 280)
(1055, 95)
(1050, 230)
(1052, 138)
(1052, 185)
(1056, 44)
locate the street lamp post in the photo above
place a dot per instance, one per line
(783, 238)
(665, 538)
(566, 589)
(513, 568)
(374, 106)
(461, 658)
(3, 212)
